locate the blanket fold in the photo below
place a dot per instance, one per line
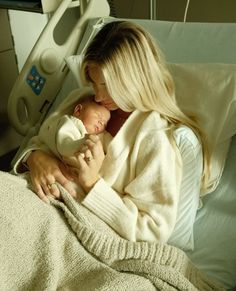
(63, 246)
(167, 267)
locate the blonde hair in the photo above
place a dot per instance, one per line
(137, 77)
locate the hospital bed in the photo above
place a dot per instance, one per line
(203, 61)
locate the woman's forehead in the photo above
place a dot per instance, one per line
(95, 71)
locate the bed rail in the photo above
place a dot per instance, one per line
(45, 69)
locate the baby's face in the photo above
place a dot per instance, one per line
(94, 117)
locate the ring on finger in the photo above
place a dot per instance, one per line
(51, 185)
(88, 159)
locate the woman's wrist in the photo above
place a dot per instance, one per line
(25, 159)
(87, 188)
(30, 159)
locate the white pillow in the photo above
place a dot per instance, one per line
(208, 91)
(74, 64)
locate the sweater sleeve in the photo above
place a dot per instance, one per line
(147, 208)
(33, 144)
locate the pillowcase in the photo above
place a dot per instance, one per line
(74, 64)
(208, 92)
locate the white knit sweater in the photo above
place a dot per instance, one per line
(139, 189)
(138, 193)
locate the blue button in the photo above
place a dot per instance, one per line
(35, 80)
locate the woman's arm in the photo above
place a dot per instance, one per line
(142, 204)
(44, 169)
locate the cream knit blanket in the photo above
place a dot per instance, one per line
(63, 246)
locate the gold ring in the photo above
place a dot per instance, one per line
(88, 159)
(51, 185)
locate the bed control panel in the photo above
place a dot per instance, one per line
(35, 80)
(45, 69)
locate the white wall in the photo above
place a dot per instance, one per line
(26, 28)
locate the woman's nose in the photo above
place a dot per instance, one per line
(98, 96)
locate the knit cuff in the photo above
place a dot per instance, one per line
(107, 204)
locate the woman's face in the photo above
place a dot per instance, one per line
(99, 86)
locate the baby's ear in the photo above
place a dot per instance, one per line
(78, 109)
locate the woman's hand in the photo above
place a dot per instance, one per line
(45, 170)
(90, 159)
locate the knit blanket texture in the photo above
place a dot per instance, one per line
(63, 246)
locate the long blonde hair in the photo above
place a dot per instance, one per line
(137, 77)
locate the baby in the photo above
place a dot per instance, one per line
(65, 135)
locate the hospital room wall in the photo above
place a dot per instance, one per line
(174, 10)
(8, 74)
(8, 68)
(19, 32)
(26, 26)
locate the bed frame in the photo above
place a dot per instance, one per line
(45, 69)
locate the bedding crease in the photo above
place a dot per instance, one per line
(63, 246)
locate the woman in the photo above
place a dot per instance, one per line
(135, 188)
